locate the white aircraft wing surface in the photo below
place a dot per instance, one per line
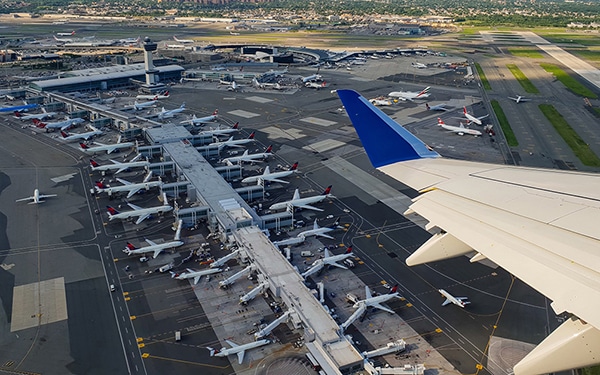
(308, 207)
(142, 218)
(124, 182)
(381, 307)
(150, 242)
(540, 225)
(134, 206)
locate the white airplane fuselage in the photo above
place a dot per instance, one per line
(268, 177)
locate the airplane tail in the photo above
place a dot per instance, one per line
(63, 134)
(235, 126)
(269, 150)
(111, 211)
(93, 164)
(18, 114)
(441, 122)
(427, 106)
(349, 249)
(373, 126)
(294, 167)
(99, 185)
(212, 351)
(251, 136)
(394, 289)
(83, 146)
(327, 190)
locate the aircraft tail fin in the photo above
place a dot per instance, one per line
(111, 211)
(83, 146)
(385, 141)
(294, 167)
(251, 136)
(94, 164)
(327, 190)
(349, 250)
(427, 106)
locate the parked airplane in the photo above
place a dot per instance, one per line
(164, 95)
(199, 121)
(171, 112)
(34, 116)
(196, 275)
(240, 350)
(298, 202)
(316, 85)
(67, 137)
(62, 125)
(130, 187)
(66, 34)
(312, 77)
(233, 142)
(139, 106)
(361, 306)
(470, 117)
(328, 260)
(109, 148)
(320, 231)
(560, 220)
(418, 65)
(19, 108)
(380, 101)
(139, 212)
(119, 166)
(249, 158)
(36, 198)
(184, 41)
(63, 40)
(266, 85)
(410, 95)
(460, 130)
(271, 177)
(519, 99)
(155, 248)
(218, 131)
(458, 301)
(438, 107)
(376, 302)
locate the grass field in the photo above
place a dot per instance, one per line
(532, 53)
(575, 38)
(522, 79)
(511, 139)
(483, 78)
(569, 82)
(575, 142)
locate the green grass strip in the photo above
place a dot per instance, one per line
(532, 53)
(569, 82)
(522, 79)
(483, 78)
(511, 139)
(580, 148)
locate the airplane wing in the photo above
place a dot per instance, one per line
(24, 199)
(132, 192)
(275, 180)
(231, 343)
(150, 242)
(240, 355)
(156, 252)
(47, 196)
(325, 235)
(308, 207)
(538, 224)
(134, 206)
(337, 265)
(142, 218)
(446, 302)
(124, 182)
(196, 279)
(381, 307)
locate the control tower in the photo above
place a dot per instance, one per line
(152, 84)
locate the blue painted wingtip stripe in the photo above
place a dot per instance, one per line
(385, 141)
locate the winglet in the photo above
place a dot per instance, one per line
(385, 141)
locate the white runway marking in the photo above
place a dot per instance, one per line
(259, 99)
(244, 114)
